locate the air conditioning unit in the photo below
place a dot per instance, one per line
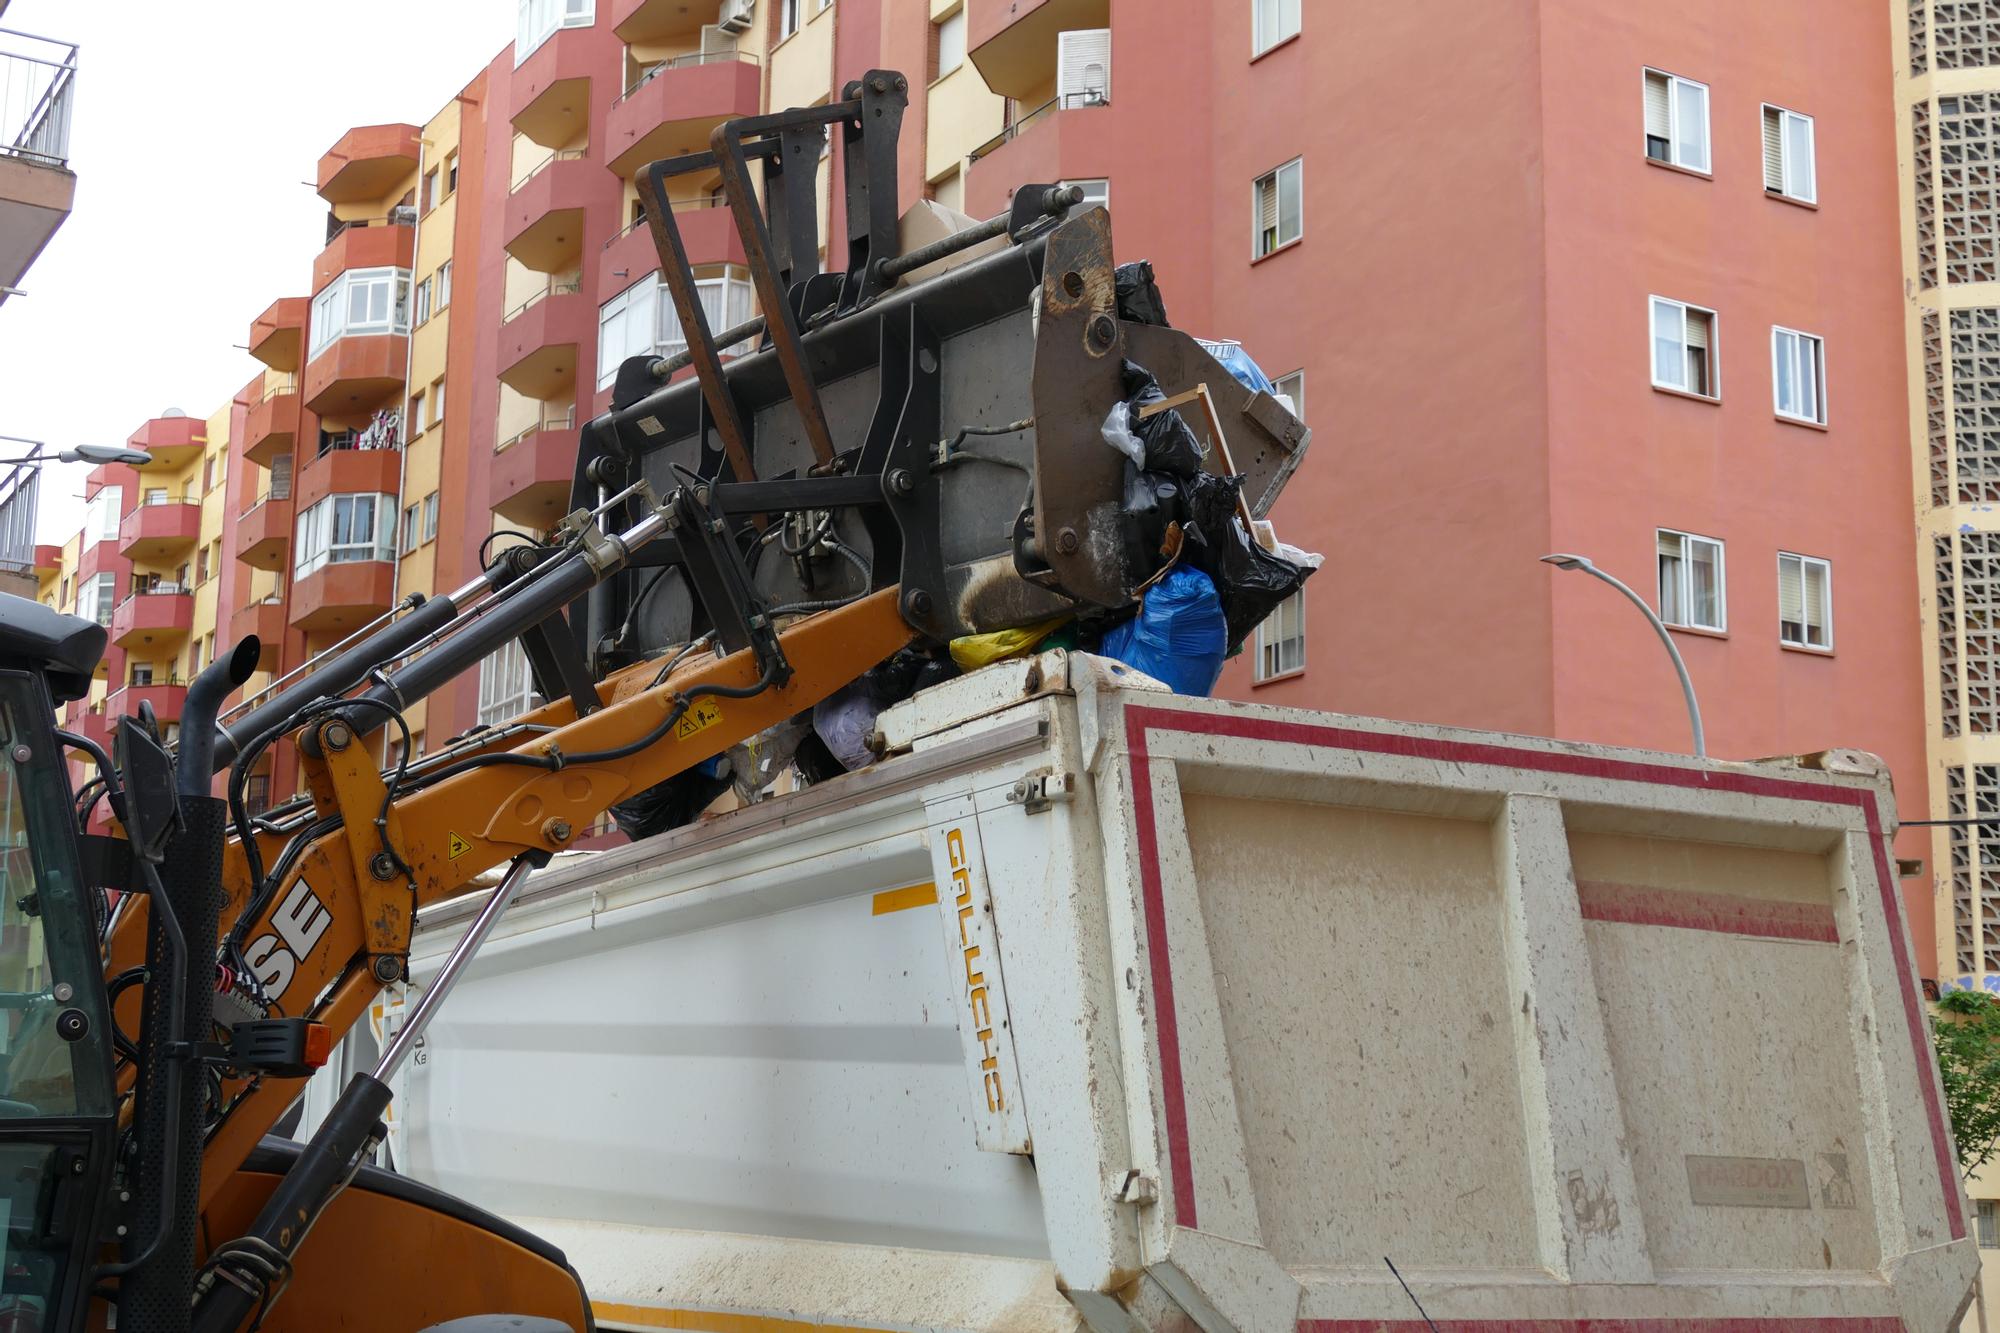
(735, 16)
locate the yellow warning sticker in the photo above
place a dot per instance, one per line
(700, 716)
(456, 846)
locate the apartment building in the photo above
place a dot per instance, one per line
(1629, 291)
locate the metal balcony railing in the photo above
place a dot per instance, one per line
(402, 216)
(277, 384)
(563, 284)
(680, 206)
(1022, 124)
(562, 422)
(559, 155)
(37, 89)
(648, 73)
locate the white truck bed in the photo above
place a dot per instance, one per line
(1100, 1005)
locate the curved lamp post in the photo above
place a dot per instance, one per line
(1563, 560)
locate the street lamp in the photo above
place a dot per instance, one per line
(83, 453)
(1563, 560)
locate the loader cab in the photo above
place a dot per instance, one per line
(57, 1104)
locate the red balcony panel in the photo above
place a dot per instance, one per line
(264, 534)
(152, 619)
(530, 480)
(674, 111)
(266, 620)
(375, 246)
(543, 223)
(153, 532)
(639, 21)
(347, 472)
(1013, 42)
(356, 375)
(550, 102)
(166, 700)
(102, 557)
(172, 441)
(342, 597)
(48, 559)
(709, 234)
(367, 163)
(1059, 144)
(277, 337)
(271, 426)
(539, 346)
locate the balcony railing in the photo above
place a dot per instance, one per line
(384, 432)
(563, 422)
(396, 217)
(563, 284)
(653, 71)
(164, 588)
(278, 384)
(37, 88)
(163, 498)
(1022, 124)
(559, 155)
(680, 206)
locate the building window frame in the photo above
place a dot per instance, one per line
(1661, 120)
(1789, 136)
(791, 17)
(431, 517)
(948, 36)
(1676, 587)
(383, 295)
(1096, 191)
(1297, 393)
(1267, 221)
(1273, 23)
(344, 529)
(1798, 376)
(506, 685)
(1800, 568)
(1711, 360)
(1281, 641)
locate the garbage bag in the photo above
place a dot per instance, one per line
(1117, 432)
(1238, 363)
(845, 720)
(677, 801)
(1170, 446)
(1179, 635)
(977, 650)
(1153, 501)
(1139, 297)
(1250, 580)
(755, 763)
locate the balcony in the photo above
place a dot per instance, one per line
(674, 105)
(530, 481)
(48, 559)
(1050, 143)
(1013, 42)
(90, 721)
(344, 470)
(165, 696)
(365, 243)
(647, 22)
(266, 620)
(264, 533)
(551, 88)
(540, 339)
(277, 337)
(174, 442)
(367, 163)
(156, 618)
(159, 529)
(343, 596)
(271, 427)
(356, 374)
(543, 225)
(37, 96)
(707, 230)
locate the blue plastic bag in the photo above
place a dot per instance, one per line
(1179, 636)
(1238, 363)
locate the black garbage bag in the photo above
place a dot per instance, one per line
(1152, 501)
(670, 804)
(1249, 578)
(1139, 298)
(1170, 446)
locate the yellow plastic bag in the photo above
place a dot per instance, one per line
(978, 650)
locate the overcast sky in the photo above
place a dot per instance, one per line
(197, 132)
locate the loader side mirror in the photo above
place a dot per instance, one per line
(152, 809)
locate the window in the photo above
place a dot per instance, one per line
(423, 301)
(537, 20)
(1788, 155)
(345, 528)
(142, 673)
(1798, 375)
(97, 598)
(1805, 601)
(1989, 1224)
(431, 196)
(1293, 386)
(208, 474)
(1274, 21)
(437, 401)
(1096, 193)
(281, 477)
(1083, 67)
(257, 793)
(1691, 591)
(949, 190)
(1279, 208)
(1684, 348)
(788, 18)
(101, 515)
(506, 686)
(362, 300)
(431, 516)
(642, 321)
(153, 495)
(201, 565)
(1676, 121)
(1281, 639)
(947, 43)
(409, 529)
(451, 173)
(444, 276)
(417, 412)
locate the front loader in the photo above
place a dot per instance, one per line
(901, 450)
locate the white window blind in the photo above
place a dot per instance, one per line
(951, 42)
(506, 685)
(1805, 601)
(1281, 639)
(101, 515)
(1789, 168)
(1798, 375)
(1279, 204)
(1273, 21)
(1691, 581)
(1083, 67)
(1683, 347)
(1676, 112)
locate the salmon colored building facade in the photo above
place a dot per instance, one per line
(1461, 284)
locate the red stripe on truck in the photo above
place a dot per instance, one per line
(1142, 719)
(1723, 913)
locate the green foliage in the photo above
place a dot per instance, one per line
(1966, 1029)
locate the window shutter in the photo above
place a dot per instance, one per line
(1267, 204)
(1791, 591)
(1697, 329)
(1774, 149)
(1815, 598)
(1083, 66)
(1657, 117)
(715, 41)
